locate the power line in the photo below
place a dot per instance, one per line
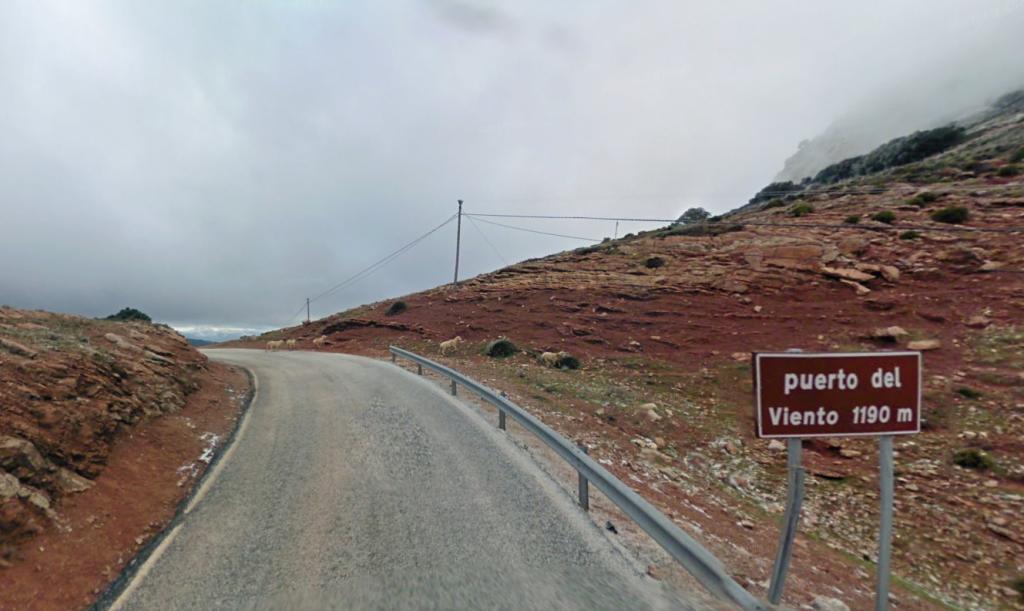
(576, 218)
(557, 235)
(381, 262)
(484, 236)
(951, 228)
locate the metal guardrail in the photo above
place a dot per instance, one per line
(688, 552)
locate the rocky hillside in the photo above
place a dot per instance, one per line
(921, 252)
(69, 388)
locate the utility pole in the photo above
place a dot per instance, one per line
(307, 310)
(458, 240)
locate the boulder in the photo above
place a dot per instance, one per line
(890, 273)
(857, 286)
(16, 348)
(824, 603)
(121, 342)
(846, 273)
(925, 344)
(978, 322)
(69, 481)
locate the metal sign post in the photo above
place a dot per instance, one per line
(802, 395)
(795, 499)
(885, 486)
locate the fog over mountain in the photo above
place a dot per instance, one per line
(213, 164)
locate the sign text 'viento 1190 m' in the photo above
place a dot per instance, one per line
(801, 394)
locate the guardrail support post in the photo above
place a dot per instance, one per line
(501, 419)
(584, 489)
(393, 359)
(453, 388)
(419, 369)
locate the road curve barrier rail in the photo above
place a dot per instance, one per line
(687, 551)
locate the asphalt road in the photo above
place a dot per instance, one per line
(357, 485)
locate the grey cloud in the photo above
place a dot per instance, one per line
(215, 163)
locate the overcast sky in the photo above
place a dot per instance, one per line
(213, 163)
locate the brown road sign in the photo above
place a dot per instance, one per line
(806, 394)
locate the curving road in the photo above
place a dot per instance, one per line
(354, 484)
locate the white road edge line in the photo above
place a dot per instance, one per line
(150, 562)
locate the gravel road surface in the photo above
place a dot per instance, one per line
(357, 485)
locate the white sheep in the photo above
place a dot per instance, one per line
(275, 344)
(290, 344)
(452, 344)
(320, 341)
(549, 359)
(552, 359)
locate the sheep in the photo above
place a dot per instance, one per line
(320, 341)
(290, 344)
(549, 359)
(275, 344)
(552, 359)
(452, 344)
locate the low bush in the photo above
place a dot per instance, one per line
(654, 262)
(500, 348)
(1018, 583)
(396, 308)
(923, 199)
(973, 458)
(853, 219)
(885, 216)
(1017, 156)
(801, 210)
(953, 215)
(129, 315)
(1009, 170)
(568, 361)
(910, 235)
(968, 393)
(775, 203)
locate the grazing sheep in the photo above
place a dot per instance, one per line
(549, 359)
(275, 344)
(320, 341)
(452, 344)
(290, 344)
(552, 359)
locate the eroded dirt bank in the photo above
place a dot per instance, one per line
(104, 429)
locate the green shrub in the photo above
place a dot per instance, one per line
(885, 216)
(500, 348)
(910, 235)
(853, 219)
(654, 262)
(1009, 170)
(778, 202)
(1018, 583)
(396, 308)
(775, 189)
(129, 314)
(923, 199)
(693, 215)
(801, 210)
(973, 458)
(568, 361)
(969, 393)
(953, 215)
(1017, 156)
